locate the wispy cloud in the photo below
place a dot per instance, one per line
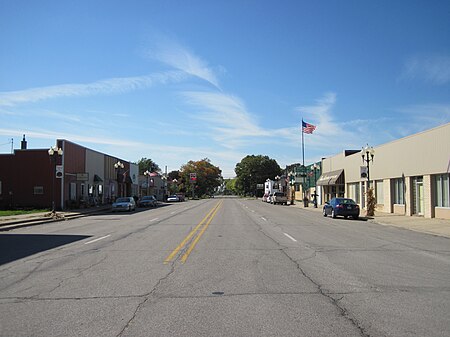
(179, 57)
(105, 87)
(433, 69)
(225, 116)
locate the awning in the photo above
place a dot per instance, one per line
(329, 178)
(97, 179)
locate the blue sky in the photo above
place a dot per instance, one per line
(183, 80)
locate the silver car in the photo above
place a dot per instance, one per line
(124, 204)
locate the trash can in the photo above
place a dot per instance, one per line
(305, 202)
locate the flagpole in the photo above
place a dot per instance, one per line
(303, 145)
(303, 168)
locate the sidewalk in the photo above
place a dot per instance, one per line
(439, 227)
(15, 221)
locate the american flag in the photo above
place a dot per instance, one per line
(308, 128)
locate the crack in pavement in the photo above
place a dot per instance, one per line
(335, 302)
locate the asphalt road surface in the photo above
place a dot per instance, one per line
(222, 267)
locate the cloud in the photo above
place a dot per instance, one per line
(225, 115)
(105, 87)
(433, 69)
(175, 55)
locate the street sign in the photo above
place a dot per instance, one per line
(59, 171)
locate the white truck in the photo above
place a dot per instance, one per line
(279, 198)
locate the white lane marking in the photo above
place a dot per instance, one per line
(155, 219)
(253, 211)
(172, 212)
(264, 218)
(103, 237)
(290, 237)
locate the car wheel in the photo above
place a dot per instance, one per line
(333, 215)
(324, 212)
(355, 217)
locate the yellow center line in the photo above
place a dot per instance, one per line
(197, 238)
(190, 235)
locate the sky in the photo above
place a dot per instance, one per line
(176, 81)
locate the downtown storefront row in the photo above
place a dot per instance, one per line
(410, 176)
(70, 176)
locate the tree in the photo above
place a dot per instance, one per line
(209, 177)
(253, 170)
(230, 186)
(147, 164)
(371, 202)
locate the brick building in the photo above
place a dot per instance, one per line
(76, 177)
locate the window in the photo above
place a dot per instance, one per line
(38, 190)
(379, 196)
(353, 192)
(398, 188)
(73, 191)
(442, 187)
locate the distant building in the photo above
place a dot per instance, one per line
(78, 177)
(410, 175)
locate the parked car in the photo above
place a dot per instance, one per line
(279, 198)
(265, 196)
(147, 201)
(269, 198)
(124, 204)
(173, 198)
(341, 206)
(181, 196)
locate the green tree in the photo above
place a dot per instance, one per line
(209, 177)
(253, 170)
(230, 186)
(147, 164)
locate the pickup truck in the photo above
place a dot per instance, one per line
(279, 198)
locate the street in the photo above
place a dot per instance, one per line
(222, 267)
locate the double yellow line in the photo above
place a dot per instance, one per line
(188, 243)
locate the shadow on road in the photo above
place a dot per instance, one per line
(17, 246)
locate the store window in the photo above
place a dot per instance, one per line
(38, 190)
(442, 190)
(379, 192)
(398, 189)
(353, 192)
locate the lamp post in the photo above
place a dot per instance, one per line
(118, 166)
(292, 185)
(164, 180)
(147, 174)
(315, 168)
(54, 152)
(367, 154)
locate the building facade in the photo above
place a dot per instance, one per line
(77, 177)
(409, 176)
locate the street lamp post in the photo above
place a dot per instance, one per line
(292, 185)
(118, 166)
(315, 167)
(147, 174)
(367, 154)
(54, 152)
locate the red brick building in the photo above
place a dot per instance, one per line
(77, 177)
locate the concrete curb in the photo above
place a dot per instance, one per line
(45, 218)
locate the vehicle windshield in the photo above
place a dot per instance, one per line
(149, 197)
(122, 200)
